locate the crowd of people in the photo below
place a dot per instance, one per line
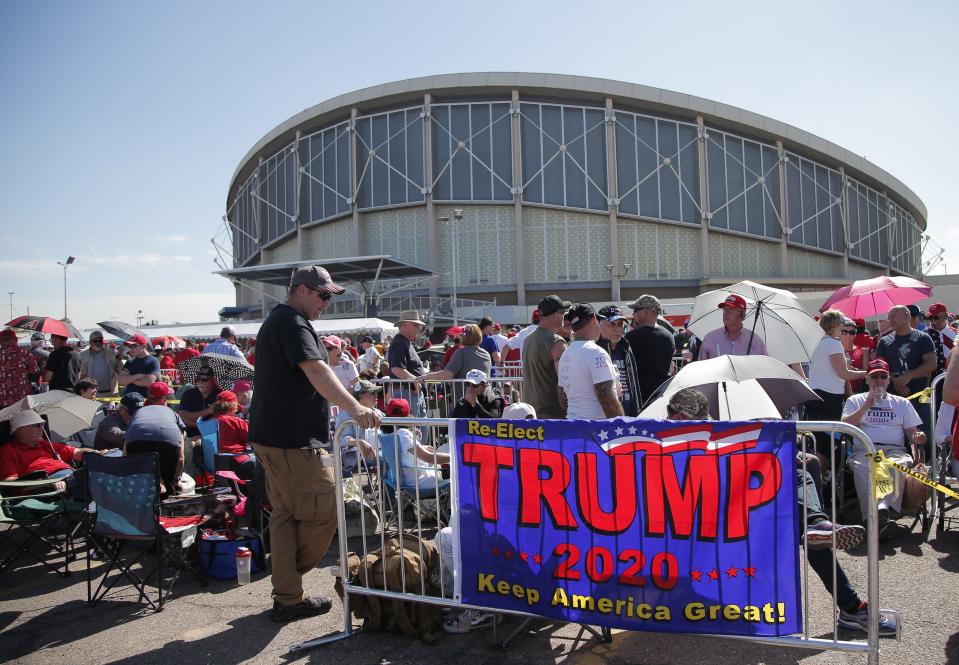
(570, 362)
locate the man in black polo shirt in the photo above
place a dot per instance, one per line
(289, 425)
(405, 363)
(63, 365)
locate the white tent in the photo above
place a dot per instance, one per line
(351, 327)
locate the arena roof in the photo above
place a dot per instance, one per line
(583, 87)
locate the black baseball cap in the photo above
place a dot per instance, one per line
(552, 304)
(131, 402)
(914, 311)
(611, 313)
(580, 314)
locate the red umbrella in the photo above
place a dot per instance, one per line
(43, 324)
(455, 331)
(168, 340)
(869, 297)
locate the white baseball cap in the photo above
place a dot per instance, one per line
(476, 376)
(519, 411)
(24, 418)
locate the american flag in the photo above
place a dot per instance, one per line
(694, 436)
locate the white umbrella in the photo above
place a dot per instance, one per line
(737, 388)
(66, 412)
(774, 315)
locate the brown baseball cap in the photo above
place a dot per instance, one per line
(316, 278)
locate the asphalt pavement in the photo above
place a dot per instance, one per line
(44, 619)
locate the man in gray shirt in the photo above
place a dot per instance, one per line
(100, 363)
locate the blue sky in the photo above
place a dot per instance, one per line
(123, 122)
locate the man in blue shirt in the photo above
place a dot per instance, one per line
(489, 344)
(142, 369)
(226, 345)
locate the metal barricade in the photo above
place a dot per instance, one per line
(435, 398)
(934, 389)
(415, 519)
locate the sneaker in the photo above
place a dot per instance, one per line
(468, 620)
(819, 535)
(858, 619)
(310, 607)
(885, 523)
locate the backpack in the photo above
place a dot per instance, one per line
(382, 570)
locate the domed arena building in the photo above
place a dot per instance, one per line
(504, 187)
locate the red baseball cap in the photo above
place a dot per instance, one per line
(734, 301)
(159, 389)
(860, 323)
(937, 308)
(137, 340)
(536, 316)
(334, 341)
(226, 396)
(398, 408)
(877, 365)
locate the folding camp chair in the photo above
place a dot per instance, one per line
(38, 516)
(126, 493)
(431, 491)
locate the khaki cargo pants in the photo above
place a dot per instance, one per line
(300, 485)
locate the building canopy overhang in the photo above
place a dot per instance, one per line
(364, 270)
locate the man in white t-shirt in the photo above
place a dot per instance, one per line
(516, 343)
(588, 380)
(370, 358)
(891, 422)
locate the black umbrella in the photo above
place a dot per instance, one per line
(226, 369)
(124, 331)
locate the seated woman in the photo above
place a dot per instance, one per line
(354, 440)
(30, 453)
(891, 422)
(232, 433)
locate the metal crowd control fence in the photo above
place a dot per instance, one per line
(935, 387)
(416, 502)
(436, 398)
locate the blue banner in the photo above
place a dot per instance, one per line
(666, 526)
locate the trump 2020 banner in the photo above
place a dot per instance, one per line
(665, 526)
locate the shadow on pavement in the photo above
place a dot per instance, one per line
(246, 638)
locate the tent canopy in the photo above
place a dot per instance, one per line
(351, 327)
(352, 269)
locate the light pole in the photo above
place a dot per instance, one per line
(139, 317)
(457, 216)
(66, 263)
(10, 293)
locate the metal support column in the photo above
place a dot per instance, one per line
(612, 197)
(844, 218)
(432, 229)
(782, 267)
(703, 200)
(520, 229)
(357, 246)
(302, 193)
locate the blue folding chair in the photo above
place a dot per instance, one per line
(433, 490)
(124, 493)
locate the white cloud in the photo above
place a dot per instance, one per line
(124, 260)
(28, 266)
(173, 239)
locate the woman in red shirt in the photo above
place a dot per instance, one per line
(232, 431)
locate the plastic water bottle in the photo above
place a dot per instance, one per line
(244, 558)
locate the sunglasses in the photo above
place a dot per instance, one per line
(202, 379)
(848, 332)
(324, 296)
(879, 376)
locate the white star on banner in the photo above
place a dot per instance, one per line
(604, 435)
(619, 431)
(632, 430)
(645, 432)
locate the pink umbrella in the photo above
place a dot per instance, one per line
(869, 297)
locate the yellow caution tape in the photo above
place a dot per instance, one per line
(880, 465)
(923, 395)
(117, 399)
